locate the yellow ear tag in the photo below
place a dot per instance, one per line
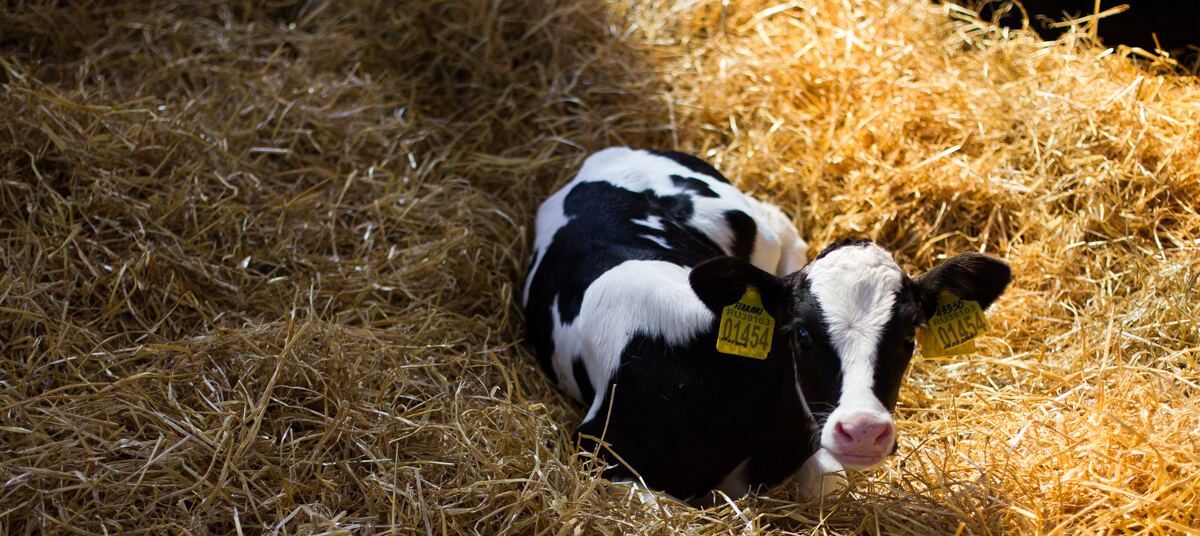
(746, 328)
(953, 328)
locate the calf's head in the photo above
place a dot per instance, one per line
(847, 320)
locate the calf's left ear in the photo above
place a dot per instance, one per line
(970, 276)
(723, 280)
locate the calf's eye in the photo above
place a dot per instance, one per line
(802, 337)
(799, 335)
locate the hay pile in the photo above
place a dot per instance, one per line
(260, 261)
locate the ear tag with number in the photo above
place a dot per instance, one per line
(746, 328)
(955, 325)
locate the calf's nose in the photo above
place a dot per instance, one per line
(864, 433)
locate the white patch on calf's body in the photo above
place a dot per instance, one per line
(791, 251)
(653, 222)
(657, 240)
(565, 350)
(708, 217)
(651, 298)
(550, 218)
(821, 475)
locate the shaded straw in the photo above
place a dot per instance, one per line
(261, 263)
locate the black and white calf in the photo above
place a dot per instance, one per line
(634, 263)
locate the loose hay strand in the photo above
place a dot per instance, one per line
(261, 263)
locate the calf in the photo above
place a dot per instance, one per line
(710, 356)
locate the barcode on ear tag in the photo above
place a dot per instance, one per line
(746, 327)
(955, 325)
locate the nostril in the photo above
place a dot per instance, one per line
(841, 434)
(884, 438)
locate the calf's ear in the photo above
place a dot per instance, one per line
(723, 280)
(970, 276)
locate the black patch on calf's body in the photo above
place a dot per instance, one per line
(693, 184)
(692, 163)
(580, 373)
(744, 232)
(671, 207)
(685, 417)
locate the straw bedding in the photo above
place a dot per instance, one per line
(261, 261)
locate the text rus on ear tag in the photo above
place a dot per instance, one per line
(955, 325)
(746, 327)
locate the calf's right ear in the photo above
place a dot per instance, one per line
(723, 280)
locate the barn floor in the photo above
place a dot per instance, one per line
(259, 262)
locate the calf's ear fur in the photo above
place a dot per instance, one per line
(970, 276)
(722, 281)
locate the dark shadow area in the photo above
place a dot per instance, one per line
(1168, 25)
(260, 233)
(241, 154)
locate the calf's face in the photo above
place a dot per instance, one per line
(847, 320)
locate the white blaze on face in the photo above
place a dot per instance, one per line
(856, 287)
